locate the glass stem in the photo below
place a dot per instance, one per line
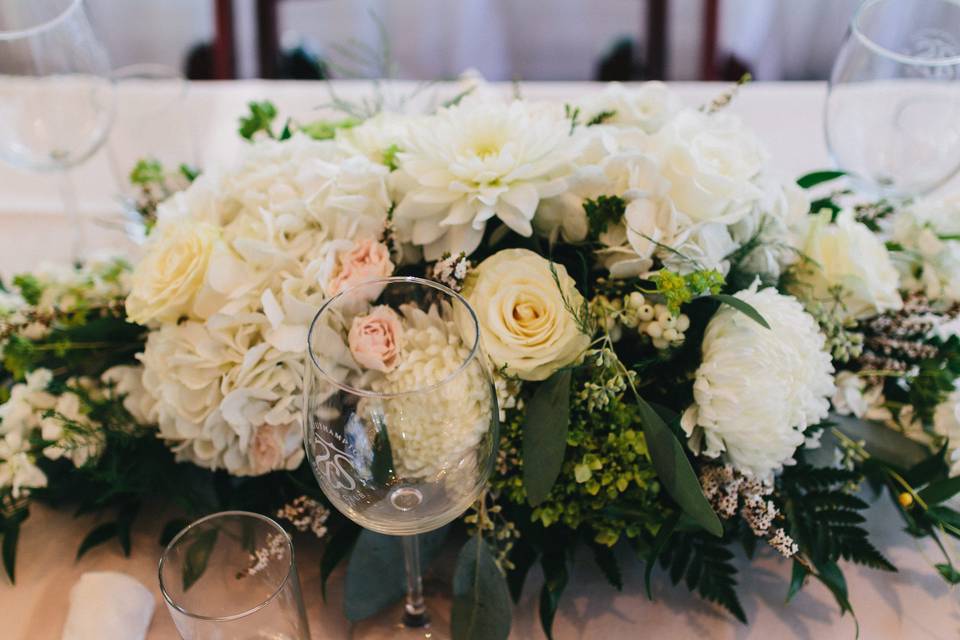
(68, 197)
(414, 611)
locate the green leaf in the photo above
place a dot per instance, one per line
(675, 471)
(545, 435)
(146, 171)
(125, 518)
(11, 535)
(259, 118)
(832, 577)
(198, 555)
(949, 574)
(382, 465)
(940, 491)
(556, 575)
(98, 536)
(741, 306)
(929, 469)
(375, 571)
(797, 576)
(659, 544)
(171, 529)
(338, 547)
(607, 561)
(818, 177)
(523, 556)
(481, 599)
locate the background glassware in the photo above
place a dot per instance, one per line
(151, 123)
(893, 109)
(232, 575)
(56, 95)
(409, 455)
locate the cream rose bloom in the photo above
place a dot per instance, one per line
(525, 325)
(928, 232)
(166, 281)
(848, 255)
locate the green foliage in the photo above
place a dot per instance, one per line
(602, 213)
(147, 171)
(556, 574)
(677, 290)
(815, 178)
(481, 598)
(601, 117)
(198, 556)
(326, 129)
(259, 119)
(743, 307)
(390, 158)
(30, 288)
(825, 520)
(706, 565)
(545, 435)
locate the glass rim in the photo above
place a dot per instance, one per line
(366, 393)
(902, 58)
(291, 566)
(43, 26)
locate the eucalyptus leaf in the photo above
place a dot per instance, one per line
(197, 557)
(545, 435)
(338, 547)
(659, 544)
(556, 575)
(523, 556)
(171, 529)
(818, 177)
(11, 535)
(98, 536)
(938, 492)
(481, 598)
(741, 306)
(949, 573)
(797, 577)
(675, 471)
(375, 571)
(607, 562)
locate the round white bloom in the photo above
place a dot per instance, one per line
(711, 162)
(846, 254)
(378, 139)
(476, 161)
(18, 469)
(772, 224)
(929, 232)
(758, 389)
(648, 106)
(127, 381)
(852, 397)
(525, 311)
(432, 435)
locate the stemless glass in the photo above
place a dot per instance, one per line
(232, 575)
(401, 421)
(56, 95)
(893, 109)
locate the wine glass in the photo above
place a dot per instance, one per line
(401, 422)
(893, 108)
(56, 94)
(152, 128)
(233, 575)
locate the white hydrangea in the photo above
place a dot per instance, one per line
(477, 161)
(225, 381)
(430, 435)
(758, 389)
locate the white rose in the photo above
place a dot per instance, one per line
(525, 323)
(846, 254)
(648, 106)
(711, 162)
(172, 271)
(929, 232)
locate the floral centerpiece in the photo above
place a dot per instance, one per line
(675, 334)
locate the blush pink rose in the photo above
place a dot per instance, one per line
(375, 339)
(266, 449)
(368, 260)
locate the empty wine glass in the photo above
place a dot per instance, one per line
(400, 415)
(232, 575)
(56, 95)
(893, 109)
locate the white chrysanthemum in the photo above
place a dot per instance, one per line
(477, 161)
(928, 231)
(433, 433)
(758, 389)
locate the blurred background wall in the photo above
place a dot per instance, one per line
(502, 39)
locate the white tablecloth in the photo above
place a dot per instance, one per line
(913, 603)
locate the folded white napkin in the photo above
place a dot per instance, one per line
(106, 605)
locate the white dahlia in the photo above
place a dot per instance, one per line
(476, 161)
(758, 389)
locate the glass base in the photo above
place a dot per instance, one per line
(389, 625)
